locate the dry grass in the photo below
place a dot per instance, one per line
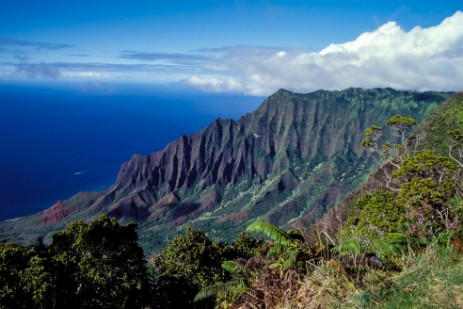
(270, 286)
(326, 287)
(430, 279)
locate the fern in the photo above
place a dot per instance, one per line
(222, 290)
(349, 246)
(289, 247)
(397, 238)
(232, 267)
(211, 291)
(275, 250)
(273, 232)
(292, 258)
(383, 249)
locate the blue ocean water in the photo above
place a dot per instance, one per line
(57, 140)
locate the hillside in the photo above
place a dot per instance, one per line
(288, 162)
(435, 129)
(400, 247)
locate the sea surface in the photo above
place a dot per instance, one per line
(60, 139)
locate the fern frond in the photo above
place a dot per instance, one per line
(404, 239)
(292, 259)
(210, 291)
(349, 246)
(275, 250)
(232, 266)
(230, 290)
(384, 249)
(273, 232)
(237, 290)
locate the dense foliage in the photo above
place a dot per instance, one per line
(26, 280)
(101, 265)
(187, 264)
(93, 265)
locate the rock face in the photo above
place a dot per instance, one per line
(288, 162)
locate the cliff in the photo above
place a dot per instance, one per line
(288, 162)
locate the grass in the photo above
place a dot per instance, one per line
(430, 279)
(433, 279)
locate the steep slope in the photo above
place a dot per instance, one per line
(292, 159)
(435, 130)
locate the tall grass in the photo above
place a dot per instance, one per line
(431, 278)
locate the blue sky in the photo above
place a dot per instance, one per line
(252, 47)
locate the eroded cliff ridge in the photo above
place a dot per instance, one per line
(288, 162)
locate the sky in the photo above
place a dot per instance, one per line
(249, 47)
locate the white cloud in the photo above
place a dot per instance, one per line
(212, 84)
(421, 59)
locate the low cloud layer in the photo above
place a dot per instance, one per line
(38, 70)
(421, 59)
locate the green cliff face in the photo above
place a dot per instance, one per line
(288, 162)
(437, 126)
(434, 132)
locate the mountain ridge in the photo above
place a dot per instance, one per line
(287, 162)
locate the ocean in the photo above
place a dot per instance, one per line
(60, 139)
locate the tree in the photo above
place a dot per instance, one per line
(392, 153)
(428, 186)
(422, 185)
(246, 246)
(99, 264)
(377, 213)
(426, 164)
(187, 264)
(402, 125)
(25, 281)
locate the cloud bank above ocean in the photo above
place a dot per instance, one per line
(420, 59)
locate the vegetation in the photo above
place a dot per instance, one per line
(187, 264)
(288, 247)
(92, 265)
